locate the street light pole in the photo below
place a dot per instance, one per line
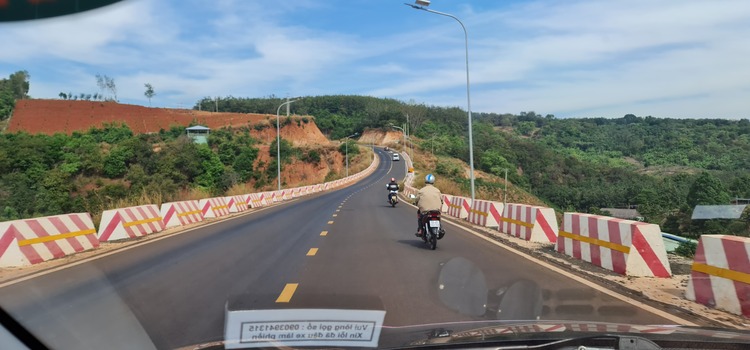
(278, 140)
(421, 6)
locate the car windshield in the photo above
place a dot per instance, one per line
(180, 174)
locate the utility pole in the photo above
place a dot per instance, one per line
(217, 103)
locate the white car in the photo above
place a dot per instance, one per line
(396, 157)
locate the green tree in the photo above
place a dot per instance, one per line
(116, 162)
(707, 190)
(105, 83)
(243, 164)
(149, 93)
(212, 169)
(741, 186)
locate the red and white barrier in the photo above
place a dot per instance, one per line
(720, 276)
(131, 222)
(486, 213)
(236, 204)
(257, 200)
(31, 241)
(446, 202)
(532, 223)
(458, 207)
(180, 213)
(626, 247)
(213, 207)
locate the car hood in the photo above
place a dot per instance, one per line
(530, 332)
(473, 332)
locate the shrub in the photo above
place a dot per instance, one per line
(312, 156)
(686, 249)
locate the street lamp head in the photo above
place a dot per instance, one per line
(423, 3)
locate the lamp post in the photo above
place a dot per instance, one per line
(422, 5)
(346, 147)
(278, 141)
(406, 171)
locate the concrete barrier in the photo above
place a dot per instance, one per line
(626, 247)
(446, 203)
(458, 207)
(180, 213)
(128, 223)
(213, 207)
(720, 276)
(257, 200)
(31, 241)
(236, 204)
(532, 223)
(485, 213)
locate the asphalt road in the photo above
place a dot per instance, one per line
(341, 249)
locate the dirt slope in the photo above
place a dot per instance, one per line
(381, 137)
(60, 116)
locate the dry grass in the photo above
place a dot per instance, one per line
(192, 194)
(425, 163)
(240, 189)
(361, 161)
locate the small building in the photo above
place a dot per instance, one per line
(624, 213)
(198, 133)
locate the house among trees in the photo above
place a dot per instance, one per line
(198, 133)
(624, 213)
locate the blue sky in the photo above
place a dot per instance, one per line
(685, 59)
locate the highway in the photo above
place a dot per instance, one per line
(347, 248)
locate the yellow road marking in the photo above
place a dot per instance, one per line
(722, 272)
(335, 215)
(287, 293)
(324, 233)
(37, 240)
(338, 210)
(312, 251)
(141, 222)
(594, 241)
(330, 222)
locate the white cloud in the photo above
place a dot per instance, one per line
(577, 58)
(573, 58)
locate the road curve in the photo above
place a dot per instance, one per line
(340, 249)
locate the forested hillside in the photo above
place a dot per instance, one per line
(663, 166)
(112, 167)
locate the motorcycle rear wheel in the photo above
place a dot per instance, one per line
(433, 238)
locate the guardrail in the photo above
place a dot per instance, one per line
(31, 241)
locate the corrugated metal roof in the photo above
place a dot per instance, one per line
(198, 128)
(706, 212)
(623, 213)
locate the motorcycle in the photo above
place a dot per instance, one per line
(432, 229)
(393, 198)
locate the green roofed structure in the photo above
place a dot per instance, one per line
(198, 133)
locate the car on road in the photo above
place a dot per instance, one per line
(396, 157)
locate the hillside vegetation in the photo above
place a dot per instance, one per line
(662, 166)
(112, 167)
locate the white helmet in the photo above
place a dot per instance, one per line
(429, 179)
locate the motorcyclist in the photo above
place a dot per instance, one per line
(392, 186)
(428, 198)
